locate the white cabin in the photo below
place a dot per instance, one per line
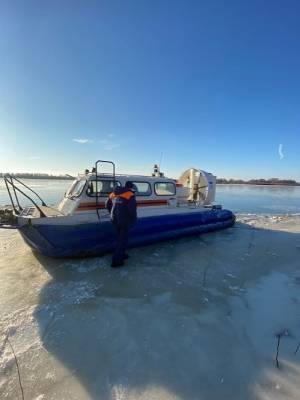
(89, 191)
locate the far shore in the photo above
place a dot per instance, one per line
(257, 184)
(220, 181)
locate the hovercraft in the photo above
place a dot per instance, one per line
(80, 225)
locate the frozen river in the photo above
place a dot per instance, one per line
(192, 319)
(197, 318)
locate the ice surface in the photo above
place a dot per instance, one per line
(196, 318)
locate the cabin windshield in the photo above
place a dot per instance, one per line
(76, 188)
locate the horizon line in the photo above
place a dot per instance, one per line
(35, 175)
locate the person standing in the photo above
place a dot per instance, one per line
(121, 205)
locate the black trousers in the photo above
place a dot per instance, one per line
(121, 243)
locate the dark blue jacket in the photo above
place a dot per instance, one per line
(122, 206)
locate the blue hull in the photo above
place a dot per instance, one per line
(95, 239)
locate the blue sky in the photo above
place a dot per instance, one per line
(211, 84)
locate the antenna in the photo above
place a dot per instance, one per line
(160, 160)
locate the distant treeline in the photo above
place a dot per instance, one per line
(26, 175)
(272, 181)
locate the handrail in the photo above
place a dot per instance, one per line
(114, 180)
(27, 187)
(16, 197)
(6, 180)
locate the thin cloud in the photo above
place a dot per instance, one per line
(83, 141)
(109, 144)
(280, 152)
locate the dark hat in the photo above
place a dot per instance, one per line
(129, 185)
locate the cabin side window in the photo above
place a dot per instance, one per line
(164, 188)
(142, 188)
(76, 188)
(104, 187)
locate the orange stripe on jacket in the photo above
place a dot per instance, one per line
(126, 195)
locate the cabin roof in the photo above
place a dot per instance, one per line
(92, 176)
